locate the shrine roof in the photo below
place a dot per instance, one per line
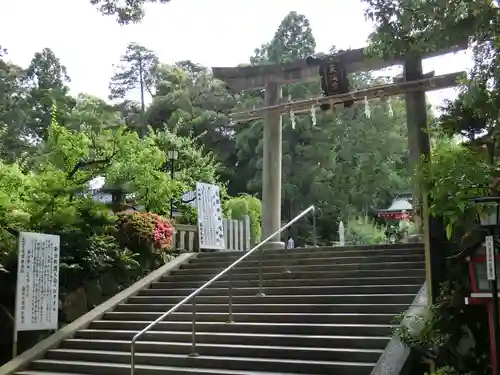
(398, 204)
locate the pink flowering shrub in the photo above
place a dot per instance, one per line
(164, 232)
(144, 232)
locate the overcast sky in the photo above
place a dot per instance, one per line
(210, 32)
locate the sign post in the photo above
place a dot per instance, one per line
(210, 222)
(37, 290)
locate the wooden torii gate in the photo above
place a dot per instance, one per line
(272, 77)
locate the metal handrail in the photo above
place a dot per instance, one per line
(215, 278)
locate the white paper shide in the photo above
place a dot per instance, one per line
(37, 294)
(210, 222)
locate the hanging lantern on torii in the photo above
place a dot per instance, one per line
(334, 80)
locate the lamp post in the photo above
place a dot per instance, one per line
(172, 157)
(489, 218)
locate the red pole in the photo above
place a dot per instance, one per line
(493, 343)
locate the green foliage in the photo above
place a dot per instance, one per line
(292, 40)
(189, 102)
(364, 231)
(26, 99)
(447, 370)
(452, 333)
(455, 175)
(238, 207)
(130, 11)
(54, 196)
(415, 27)
(93, 257)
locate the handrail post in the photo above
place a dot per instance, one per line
(261, 255)
(230, 317)
(132, 357)
(193, 328)
(314, 238)
(287, 268)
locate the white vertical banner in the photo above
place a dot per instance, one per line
(210, 223)
(37, 292)
(341, 234)
(490, 258)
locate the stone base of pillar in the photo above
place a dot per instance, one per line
(416, 238)
(273, 245)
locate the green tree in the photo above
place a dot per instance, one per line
(93, 114)
(415, 27)
(292, 40)
(125, 12)
(26, 99)
(46, 82)
(191, 103)
(130, 113)
(13, 131)
(136, 71)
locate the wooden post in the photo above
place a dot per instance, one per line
(271, 170)
(416, 118)
(418, 142)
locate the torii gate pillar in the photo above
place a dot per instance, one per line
(418, 140)
(271, 167)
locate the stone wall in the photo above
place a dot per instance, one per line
(88, 296)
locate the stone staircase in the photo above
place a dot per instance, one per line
(330, 315)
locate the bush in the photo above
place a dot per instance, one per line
(96, 256)
(237, 207)
(446, 371)
(455, 175)
(144, 232)
(364, 231)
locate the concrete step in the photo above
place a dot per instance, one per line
(300, 308)
(289, 290)
(255, 318)
(165, 370)
(380, 267)
(332, 314)
(329, 281)
(305, 254)
(400, 298)
(293, 260)
(263, 351)
(323, 249)
(244, 327)
(72, 359)
(252, 274)
(223, 338)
